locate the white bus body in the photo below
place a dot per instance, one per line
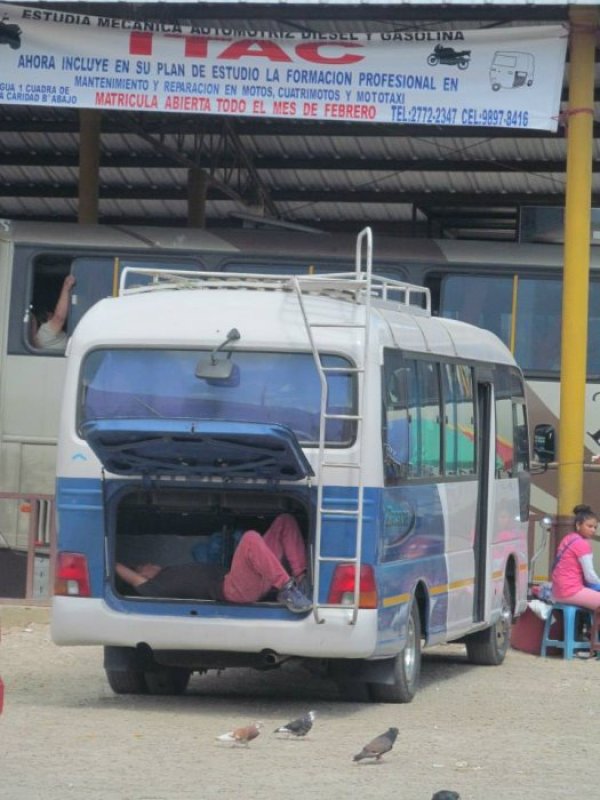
(511, 289)
(398, 441)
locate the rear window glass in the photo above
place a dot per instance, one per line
(281, 388)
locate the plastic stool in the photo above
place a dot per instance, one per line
(595, 633)
(568, 616)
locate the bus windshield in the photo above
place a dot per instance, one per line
(263, 387)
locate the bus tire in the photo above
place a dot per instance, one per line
(128, 681)
(406, 666)
(167, 680)
(489, 647)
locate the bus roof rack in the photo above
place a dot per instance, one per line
(349, 286)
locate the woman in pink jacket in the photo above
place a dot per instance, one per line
(574, 579)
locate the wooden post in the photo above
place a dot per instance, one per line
(197, 188)
(89, 164)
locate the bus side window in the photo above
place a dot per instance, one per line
(459, 417)
(593, 351)
(483, 300)
(538, 324)
(412, 434)
(50, 300)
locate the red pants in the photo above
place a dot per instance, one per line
(256, 567)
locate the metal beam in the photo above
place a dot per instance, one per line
(160, 160)
(286, 13)
(176, 124)
(403, 228)
(429, 200)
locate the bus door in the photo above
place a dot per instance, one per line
(485, 452)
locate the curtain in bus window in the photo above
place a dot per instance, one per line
(459, 415)
(414, 420)
(521, 438)
(485, 301)
(429, 418)
(397, 375)
(503, 385)
(504, 437)
(539, 316)
(465, 420)
(450, 419)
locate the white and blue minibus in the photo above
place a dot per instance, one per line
(398, 441)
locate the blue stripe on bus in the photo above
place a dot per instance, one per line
(409, 548)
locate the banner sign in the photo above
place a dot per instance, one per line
(506, 78)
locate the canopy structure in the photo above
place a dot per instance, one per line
(434, 173)
(446, 120)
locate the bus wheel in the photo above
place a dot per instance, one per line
(406, 665)
(128, 681)
(167, 680)
(489, 647)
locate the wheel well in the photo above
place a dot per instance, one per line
(422, 601)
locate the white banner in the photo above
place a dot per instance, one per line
(508, 78)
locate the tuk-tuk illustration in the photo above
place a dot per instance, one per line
(511, 69)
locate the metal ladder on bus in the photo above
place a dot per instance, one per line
(360, 286)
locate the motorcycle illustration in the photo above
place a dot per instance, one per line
(10, 34)
(450, 56)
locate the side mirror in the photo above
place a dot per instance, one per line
(544, 443)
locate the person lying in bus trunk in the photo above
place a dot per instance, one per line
(256, 569)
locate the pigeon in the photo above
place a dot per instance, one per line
(241, 735)
(300, 726)
(380, 745)
(445, 794)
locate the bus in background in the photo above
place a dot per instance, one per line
(511, 289)
(397, 441)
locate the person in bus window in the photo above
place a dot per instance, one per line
(49, 333)
(574, 579)
(256, 569)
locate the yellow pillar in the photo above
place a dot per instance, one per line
(584, 22)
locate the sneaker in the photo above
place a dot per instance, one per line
(303, 583)
(291, 596)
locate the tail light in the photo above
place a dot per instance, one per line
(343, 584)
(71, 575)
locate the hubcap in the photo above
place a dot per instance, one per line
(503, 625)
(409, 651)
